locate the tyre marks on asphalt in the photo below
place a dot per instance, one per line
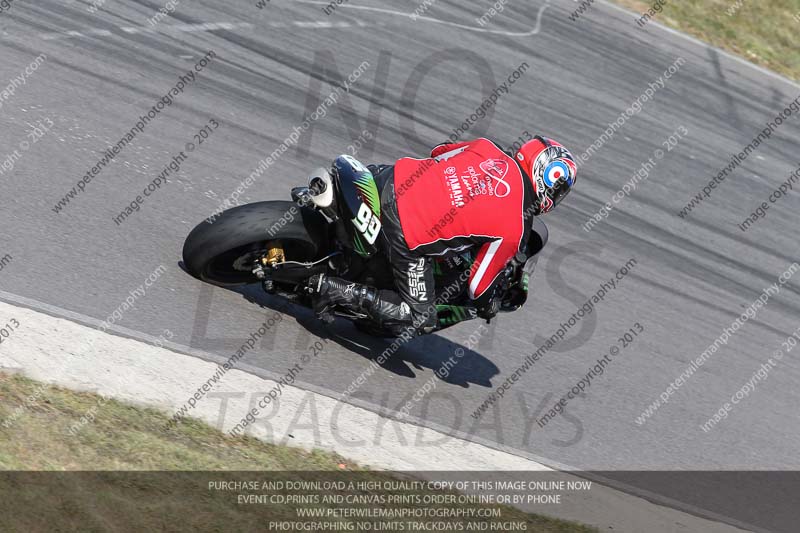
(185, 28)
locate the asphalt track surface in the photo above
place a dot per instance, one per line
(693, 276)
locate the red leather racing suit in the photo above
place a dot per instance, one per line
(467, 195)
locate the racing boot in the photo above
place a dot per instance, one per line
(328, 292)
(385, 308)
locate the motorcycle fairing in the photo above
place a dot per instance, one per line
(360, 203)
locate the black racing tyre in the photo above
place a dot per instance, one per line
(223, 251)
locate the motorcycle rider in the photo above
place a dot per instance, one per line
(469, 196)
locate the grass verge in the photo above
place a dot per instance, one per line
(764, 33)
(86, 487)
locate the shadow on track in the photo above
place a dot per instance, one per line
(429, 351)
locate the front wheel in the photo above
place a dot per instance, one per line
(224, 251)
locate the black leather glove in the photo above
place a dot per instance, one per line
(516, 295)
(515, 287)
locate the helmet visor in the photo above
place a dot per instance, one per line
(558, 191)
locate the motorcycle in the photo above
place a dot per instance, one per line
(331, 226)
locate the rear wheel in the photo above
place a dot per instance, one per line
(225, 251)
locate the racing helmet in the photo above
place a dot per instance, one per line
(552, 169)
